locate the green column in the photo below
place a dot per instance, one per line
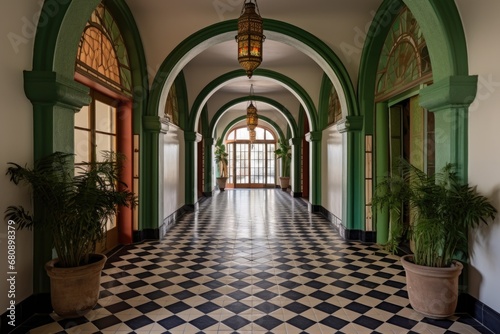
(150, 178)
(354, 173)
(207, 186)
(190, 139)
(297, 150)
(314, 137)
(381, 157)
(450, 99)
(55, 100)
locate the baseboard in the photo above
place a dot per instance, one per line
(481, 312)
(347, 234)
(146, 234)
(168, 222)
(34, 304)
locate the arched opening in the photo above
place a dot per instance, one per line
(102, 64)
(251, 164)
(392, 114)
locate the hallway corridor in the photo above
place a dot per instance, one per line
(252, 261)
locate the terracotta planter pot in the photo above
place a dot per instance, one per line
(75, 291)
(285, 182)
(433, 292)
(221, 183)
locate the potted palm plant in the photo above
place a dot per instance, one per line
(442, 210)
(221, 162)
(73, 206)
(283, 152)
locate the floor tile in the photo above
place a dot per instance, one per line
(267, 266)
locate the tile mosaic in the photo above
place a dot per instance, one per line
(267, 266)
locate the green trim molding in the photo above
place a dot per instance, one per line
(209, 89)
(442, 27)
(208, 187)
(450, 99)
(56, 96)
(278, 106)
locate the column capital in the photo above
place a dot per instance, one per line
(151, 123)
(457, 91)
(51, 89)
(350, 123)
(192, 136)
(314, 136)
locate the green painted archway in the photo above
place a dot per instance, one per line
(269, 121)
(307, 43)
(301, 40)
(451, 92)
(286, 82)
(56, 96)
(210, 88)
(276, 105)
(212, 127)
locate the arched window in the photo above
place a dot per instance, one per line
(251, 164)
(404, 61)
(106, 123)
(102, 56)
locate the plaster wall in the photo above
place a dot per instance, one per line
(332, 171)
(481, 25)
(174, 175)
(16, 127)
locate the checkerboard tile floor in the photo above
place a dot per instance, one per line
(253, 261)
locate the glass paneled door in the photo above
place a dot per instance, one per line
(95, 134)
(251, 165)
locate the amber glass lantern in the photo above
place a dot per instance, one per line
(252, 118)
(250, 37)
(253, 135)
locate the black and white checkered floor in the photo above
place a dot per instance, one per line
(253, 261)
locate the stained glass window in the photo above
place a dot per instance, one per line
(171, 107)
(404, 61)
(102, 55)
(334, 107)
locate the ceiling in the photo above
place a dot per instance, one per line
(339, 23)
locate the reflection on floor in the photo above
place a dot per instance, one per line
(252, 261)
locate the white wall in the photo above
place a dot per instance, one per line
(481, 24)
(174, 167)
(331, 171)
(16, 127)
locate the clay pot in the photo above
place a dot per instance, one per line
(221, 183)
(75, 291)
(432, 291)
(285, 182)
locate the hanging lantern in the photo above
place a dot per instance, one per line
(253, 135)
(250, 37)
(252, 117)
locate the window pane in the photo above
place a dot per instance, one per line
(105, 118)
(242, 134)
(104, 142)
(271, 164)
(230, 164)
(82, 149)
(260, 133)
(253, 163)
(82, 118)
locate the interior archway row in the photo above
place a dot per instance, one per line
(56, 96)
